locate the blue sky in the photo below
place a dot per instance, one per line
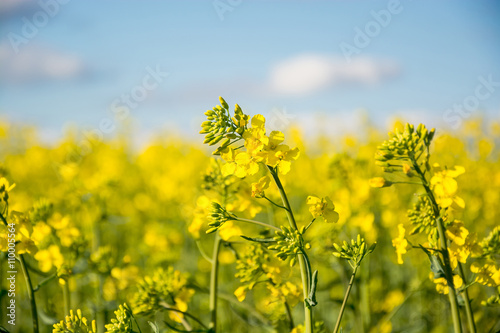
(283, 59)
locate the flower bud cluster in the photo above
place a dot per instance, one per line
(218, 216)
(493, 301)
(422, 216)
(491, 244)
(221, 127)
(289, 243)
(122, 323)
(250, 264)
(354, 252)
(213, 179)
(164, 286)
(75, 324)
(410, 144)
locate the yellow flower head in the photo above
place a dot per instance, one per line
(457, 233)
(322, 207)
(241, 293)
(445, 186)
(379, 182)
(259, 187)
(260, 148)
(5, 187)
(239, 163)
(488, 274)
(400, 243)
(442, 284)
(48, 258)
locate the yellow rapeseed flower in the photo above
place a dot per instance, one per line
(241, 293)
(488, 274)
(259, 187)
(445, 186)
(400, 243)
(442, 284)
(379, 182)
(322, 207)
(48, 258)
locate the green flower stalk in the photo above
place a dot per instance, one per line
(354, 253)
(407, 154)
(260, 150)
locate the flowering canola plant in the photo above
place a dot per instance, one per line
(262, 237)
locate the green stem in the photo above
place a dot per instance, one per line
(31, 293)
(177, 313)
(309, 225)
(346, 296)
(4, 220)
(43, 282)
(66, 297)
(274, 203)
(262, 224)
(303, 268)
(468, 308)
(214, 275)
(203, 253)
(443, 246)
(251, 310)
(284, 198)
(449, 274)
(289, 315)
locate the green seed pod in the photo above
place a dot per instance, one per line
(223, 103)
(209, 231)
(216, 140)
(431, 134)
(362, 248)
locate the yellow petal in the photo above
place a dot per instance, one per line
(457, 172)
(276, 137)
(450, 186)
(284, 167)
(312, 200)
(331, 216)
(258, 121)
(241, 293)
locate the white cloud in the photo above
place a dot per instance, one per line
(36, 63)
(12, 7)
(309, 73)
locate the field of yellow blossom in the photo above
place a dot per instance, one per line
(265, 235)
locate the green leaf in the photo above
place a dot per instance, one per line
(436, 265)
(311, 300)
(259, 240)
